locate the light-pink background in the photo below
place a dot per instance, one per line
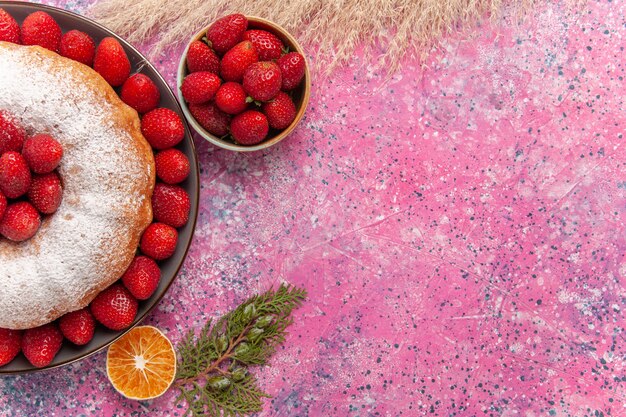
(460, 231)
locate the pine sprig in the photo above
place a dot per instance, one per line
(213, 374)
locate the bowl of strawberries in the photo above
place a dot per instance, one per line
(243, 83)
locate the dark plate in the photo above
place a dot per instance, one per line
(170, 267)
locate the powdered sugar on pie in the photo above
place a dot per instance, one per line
(107, 172)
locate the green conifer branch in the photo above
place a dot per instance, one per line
(213, 375)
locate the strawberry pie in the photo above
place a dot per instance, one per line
(79, 245)
(107, 171)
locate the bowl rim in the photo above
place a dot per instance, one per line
(194, 209)
(182, 69)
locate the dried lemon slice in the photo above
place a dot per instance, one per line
(142, 364)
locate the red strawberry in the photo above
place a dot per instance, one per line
(210, 118)
(20, 221)
(280, 112)
(45, 192)
(267, 44)
(78, 46)
(202, 58)
(249, 128)
(142, 277)
(43, 153)
(3, 204)
(14, 175)
(78, 326)
(236, 61)
(112, 62)
(292, 66)
(140, 93)
(12, 135)
(159, 241)
(163, 128)
(10, 344)
(170, 205)
(41, 344)
(41, 29)
(226, 32)
(9, 29)
(115, 307)
(262, 80)
(231, 98)
(172, 166)
(200, 87)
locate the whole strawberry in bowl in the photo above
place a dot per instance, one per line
(260, 88)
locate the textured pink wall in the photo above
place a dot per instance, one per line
(460, 231)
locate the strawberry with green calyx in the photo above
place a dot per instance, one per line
(262, 80)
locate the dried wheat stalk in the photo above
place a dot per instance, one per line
(391, 30)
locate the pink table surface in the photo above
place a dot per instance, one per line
(460, 231)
